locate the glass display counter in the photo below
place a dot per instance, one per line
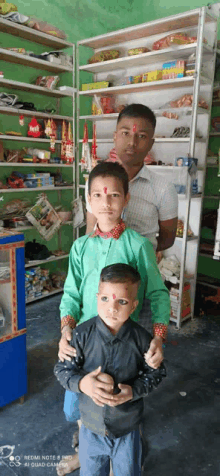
(13, 356)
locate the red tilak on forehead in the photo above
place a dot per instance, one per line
(105, 189)
(114, 296)
(135, 128)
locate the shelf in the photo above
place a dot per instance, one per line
(30, 34)
(189, 238)
(206, 255)
(32, 88)
(214, 134)
(36, 189)
(31, 227)
(51, 293)
(155, 27)
(215, 197)
(144, 59)
(157, 139)
(12, 111)
(143, 87)
(181, 196)
(53, 258)
(205, 283)
(23, 164)
(216, 103)
(158, 113)
(26, 139)
(5, 281)
(174, 319)
(212, 166)
(25, 60)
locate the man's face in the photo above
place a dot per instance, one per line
(133, 140)
(116, 302)
(107, 200)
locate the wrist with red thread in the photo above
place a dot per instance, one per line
(160, 330)
(68, 321)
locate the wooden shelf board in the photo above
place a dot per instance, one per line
(26, 139)
(23, 164)
(31, 227)
(157, 139)
(32, 88)
(141, 87)
(155, 27)
(30, 34)
(142, 59)
(147, 86)
(12, 111)
(205, 283)
(5, 281)
(189, 238)
(56, 291)
(36, 189)
(214, 197)
(157, 112)
(174, 319)
(182, 196)
(36, 63)
(37, 262)
(206, 255)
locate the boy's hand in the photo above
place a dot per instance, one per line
(125, 395)
(98, 391)
(66, 351)
(154, 356)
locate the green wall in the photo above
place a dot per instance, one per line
(85, 18)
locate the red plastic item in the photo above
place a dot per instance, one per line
(107, 104)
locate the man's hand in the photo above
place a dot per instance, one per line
(66, 351)
(154, 356)
(98, 391)
(125, 395)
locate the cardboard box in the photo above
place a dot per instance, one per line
(155, 75)
(97, 85)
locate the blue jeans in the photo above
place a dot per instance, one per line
(95, 453)
(71, 406)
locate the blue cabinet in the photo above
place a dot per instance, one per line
(13, 355)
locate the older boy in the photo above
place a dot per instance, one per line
(114, 343)
(111, 242)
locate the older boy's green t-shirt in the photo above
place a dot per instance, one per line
(89, 254)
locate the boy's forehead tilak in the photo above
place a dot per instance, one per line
(105, 190)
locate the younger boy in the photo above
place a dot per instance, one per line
(114, 343)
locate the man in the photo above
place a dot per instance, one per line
(153, 206)
(152, 210)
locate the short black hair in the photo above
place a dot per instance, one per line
(109, 169)
(138, 110)
(119, 273)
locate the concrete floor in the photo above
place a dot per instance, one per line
(182, 415)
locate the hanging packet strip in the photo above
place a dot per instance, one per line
(44, 218)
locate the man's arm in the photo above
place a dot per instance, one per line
(158, 295)
(167, 234)
(90, 222)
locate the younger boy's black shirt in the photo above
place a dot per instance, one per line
(120, 356)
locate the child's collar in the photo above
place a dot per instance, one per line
(115, 233)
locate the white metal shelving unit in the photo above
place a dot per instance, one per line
(47, 41)
(201, 23)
